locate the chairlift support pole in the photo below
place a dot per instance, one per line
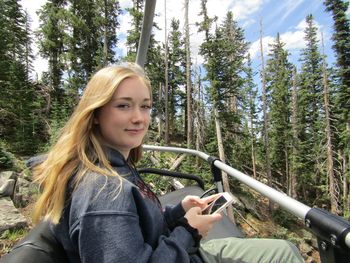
(332, 231)
(145, 36)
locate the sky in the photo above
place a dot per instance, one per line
(286, 17)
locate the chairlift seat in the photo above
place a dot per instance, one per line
(41, 246)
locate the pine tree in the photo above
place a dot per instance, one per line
(278, 83)
(265, 105)
(251, 118)
(176, 76)
(51, 42)
(311, 121)
(341, 38)
(20, 120)
(133, 35)
(189, 106)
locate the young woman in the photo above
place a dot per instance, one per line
(101, 210)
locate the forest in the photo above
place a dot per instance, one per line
(292, 131)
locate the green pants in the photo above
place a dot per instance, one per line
(245, 250)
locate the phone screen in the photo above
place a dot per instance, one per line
(215, 205)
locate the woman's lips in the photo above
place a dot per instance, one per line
(134, 131)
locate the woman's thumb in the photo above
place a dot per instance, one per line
(216, 216)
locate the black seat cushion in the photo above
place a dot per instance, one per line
(39, 246)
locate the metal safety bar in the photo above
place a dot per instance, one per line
(329, 229)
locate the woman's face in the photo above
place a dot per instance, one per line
(124, 120)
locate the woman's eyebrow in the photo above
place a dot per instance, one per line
(130, 99)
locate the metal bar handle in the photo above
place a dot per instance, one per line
(293, 206)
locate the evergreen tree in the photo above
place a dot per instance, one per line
(176, 77)
(250, 118)
(133, 35)
(51, 36)
(92, 41)
(278, 83)
(311, 127)
(19, 121)
(341, 38)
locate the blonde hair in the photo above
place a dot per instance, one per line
(79, 147)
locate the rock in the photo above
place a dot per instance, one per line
(35, 160)
(4, 176)
(7, 188)
(10, 217)
(7, 183)
(25, 190)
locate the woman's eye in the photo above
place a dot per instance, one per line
(122, 106)
(148, 107)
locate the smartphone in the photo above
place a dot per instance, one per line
(219, 204)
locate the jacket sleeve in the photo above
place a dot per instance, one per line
(172, 214)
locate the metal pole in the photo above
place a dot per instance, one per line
(146, 32)
(293, 206)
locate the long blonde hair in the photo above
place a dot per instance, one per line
(79, 146)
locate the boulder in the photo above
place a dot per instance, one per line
(10, 217)
(24, 192)
(7, 183)
(35, 160)
(7, 189)
(4, 176)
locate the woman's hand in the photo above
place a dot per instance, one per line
(203, 223)
(192, 201)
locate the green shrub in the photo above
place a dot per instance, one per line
(6, 158)
(283, 218)
(14, 234)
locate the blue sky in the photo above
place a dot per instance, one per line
(279, 16)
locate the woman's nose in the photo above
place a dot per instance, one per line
(137, 116)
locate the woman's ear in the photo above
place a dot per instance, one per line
(95, 120)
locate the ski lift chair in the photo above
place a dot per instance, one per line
(40, 245)
(332, 232)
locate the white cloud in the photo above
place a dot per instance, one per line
(32, 6)
(254, 49)
(241, 10)
(125, 24)
(289, 7)
(294, 40)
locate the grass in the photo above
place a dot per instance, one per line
(10, 237)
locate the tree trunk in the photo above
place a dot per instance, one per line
(253, 146)
(188, 78)
(265, 116)
(166, 139)
(105, 42)
(292, 182)
(330, 167)
(160, 112)
(345, 187)
(199, 115)
(225, 181)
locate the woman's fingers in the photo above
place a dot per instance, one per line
(210, 198)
